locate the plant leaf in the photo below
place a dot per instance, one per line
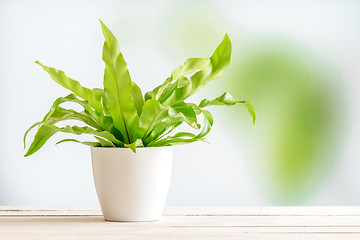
(57, 114)
(117, 86)
(72, 85)
(227, 99)
(134, 145)
(220, 59)
(42, 135)
(87, 130)
(216, 66)
(93, 144)
(46, 131)
(178, 113)
(156, 92)
(137, 96)
(60, 114)
(105, 143)
(183, 82)
(190, 66)
(251, 110)
(29, 129)
(178, 138)
(152, 114)
(104, 121)
(185, 112)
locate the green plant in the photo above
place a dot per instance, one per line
(119, 116)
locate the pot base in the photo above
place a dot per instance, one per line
(110, 220)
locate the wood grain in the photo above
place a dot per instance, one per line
(184, 223)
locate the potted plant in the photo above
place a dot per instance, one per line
(132, 153)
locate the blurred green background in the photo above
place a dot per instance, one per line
(296, 62)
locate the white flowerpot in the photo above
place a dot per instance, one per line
(132, 186)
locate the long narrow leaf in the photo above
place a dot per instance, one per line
(42, 135)
(137, 143)
(117, 86)
(227, 99)
(104, 121)
(74, 86)
(28, 130)
(216, 66)
(93, 144)
(105, 143)
(179, 137)
(60, 114)
(185, 112)
(46, 131)
(152, 114)
(190, 66)
(137, 96)
(87, 130)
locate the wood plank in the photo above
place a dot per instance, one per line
(85, 229)
(192, 221)
(190, 211)
(183, 235)
(255, 223)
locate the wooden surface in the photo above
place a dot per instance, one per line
(184, 223)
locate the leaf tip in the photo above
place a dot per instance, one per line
(27, 154)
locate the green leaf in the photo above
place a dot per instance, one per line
(179, 137)
(164, 91)
(104, 121)
(46, 131)
(185, 112)
(87, 130)
(60, 114)
(162, 129)
(178, 113)
(251, 110)
(105, 143)
(68, 98)
(72, 85)
(57, 114)
(117, 86)
(134, 145)
(152, 114)
(183, 82)
(102, 142)
(137, 96)
(207, 125)
(227, 99)
(29, 129)
(220, 59)
(190, 65)
(42, 135)
(156, 92)
(216, 66)
(93, 144)
(98, 92)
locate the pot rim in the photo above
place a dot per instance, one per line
(138, 148)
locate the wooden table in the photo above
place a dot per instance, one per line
(184, 223)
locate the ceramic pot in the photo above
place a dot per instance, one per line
(132, 186)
